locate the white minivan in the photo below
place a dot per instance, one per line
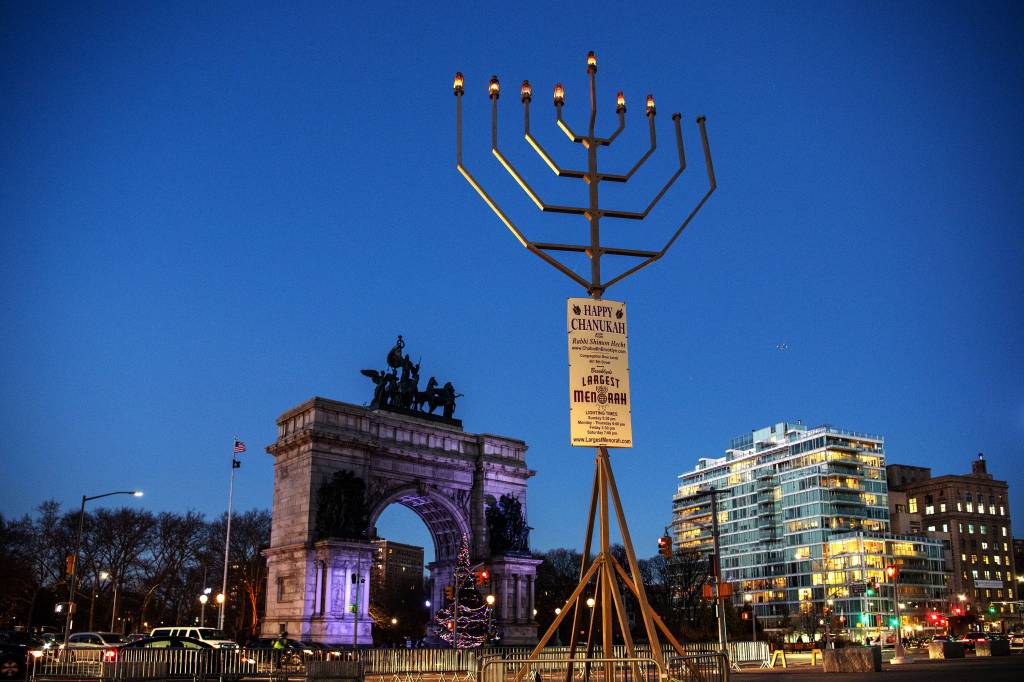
(211, 636)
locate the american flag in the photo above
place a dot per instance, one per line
(239, 446)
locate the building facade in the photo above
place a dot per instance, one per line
(396, 566)
(971, 513)
(803, 521)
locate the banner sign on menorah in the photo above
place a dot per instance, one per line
(599, 404)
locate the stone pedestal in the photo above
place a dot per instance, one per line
(313, 593)
(513, 580)
(945, 650)
(992, 647)
(852, 659)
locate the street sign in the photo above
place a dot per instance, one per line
(989, 584)
(599, 401)
(857, 589)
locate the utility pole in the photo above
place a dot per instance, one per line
(719, 604)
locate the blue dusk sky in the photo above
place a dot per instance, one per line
(212, 212)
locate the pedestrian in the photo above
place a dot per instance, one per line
(280, 644)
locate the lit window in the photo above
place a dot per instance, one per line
(945, 528)
(931, 529)
(942, 506)
(1002, 510)
(974, 574)
(996, 559)
(1004, 531)
(984, 545)
(974, 558)
(959, 507)
(963, 557)
(912, 505)
(983, 529)
(992, 509)
(984, 559)
(970, 506)
(970, 528)
(930, 509)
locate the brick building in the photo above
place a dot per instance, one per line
(971, 514)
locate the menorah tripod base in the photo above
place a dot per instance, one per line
(608, 601)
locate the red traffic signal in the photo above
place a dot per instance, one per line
(744, 615)
(892, 571)
(483, 577)
(665, 546)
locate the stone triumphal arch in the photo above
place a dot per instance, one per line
(338, 466)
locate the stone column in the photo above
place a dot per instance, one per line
(514, 615)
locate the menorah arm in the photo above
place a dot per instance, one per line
(558, 170)
(671, 180)
(611, 177)
(622, 126)
(548, 208)
(712, 186)
(565, 126)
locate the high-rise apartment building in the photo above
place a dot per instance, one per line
(396, 566)
(971, 513)
(804, 524)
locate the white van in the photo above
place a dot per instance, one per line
(211, 636)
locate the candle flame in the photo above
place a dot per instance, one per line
(591, 59)
(458, 84)
(559, 94)
(620, 101)
(493, 88)
(526, 92)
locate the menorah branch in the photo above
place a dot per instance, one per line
(558, 170)
(654, 145)
(550, 208)
(671, 180)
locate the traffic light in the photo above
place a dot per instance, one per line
(991, 609)
(744, 615)
(665, 546)
(870, 589)
(892, 572)
(894, 623)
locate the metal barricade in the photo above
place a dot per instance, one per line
(494, 668)
(705, 667)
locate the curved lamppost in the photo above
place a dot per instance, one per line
(78, 550)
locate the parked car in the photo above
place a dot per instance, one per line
(95, 640)
(135, 636)
(1016, 640)
(970, 639)
(211, 636)
(13, 660)
(167, 642)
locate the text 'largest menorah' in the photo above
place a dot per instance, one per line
(593, 212)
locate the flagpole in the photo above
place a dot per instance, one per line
(227, 540)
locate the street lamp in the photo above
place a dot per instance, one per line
(749, 598)
(78, 550)
(220, 605)
(203, 598)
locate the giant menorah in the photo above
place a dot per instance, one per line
(604, 569)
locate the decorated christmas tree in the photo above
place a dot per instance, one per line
(466, 621)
